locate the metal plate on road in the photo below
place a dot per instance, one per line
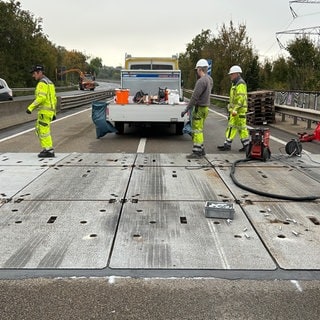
(177, 183)
(57, 234)
(14, 178)
(78, 183)
(28, 159)
(65, 214)
(291, 234)
(287, 181)
(276, 160)
(169, 159)
(177, 235)
(99, 159)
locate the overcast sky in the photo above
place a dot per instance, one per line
(109, 29)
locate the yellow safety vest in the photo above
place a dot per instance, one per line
(238, 97)
(45, 96)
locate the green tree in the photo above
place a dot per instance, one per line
(19, 32)
(303, 64)
(231, 46)
(279, 75)
(95, 65)
(194, 52)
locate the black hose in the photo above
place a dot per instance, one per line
(262, 193)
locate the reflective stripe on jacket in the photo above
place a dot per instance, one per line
(45, 96)
(238, 97)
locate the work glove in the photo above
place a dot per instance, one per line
(28, 111)
(183, 113)
(234, 113)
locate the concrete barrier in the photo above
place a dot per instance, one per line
(13, 113)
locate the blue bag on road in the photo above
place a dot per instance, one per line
(99, 118)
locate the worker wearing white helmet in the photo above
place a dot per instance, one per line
(238, 105)
(198, 106)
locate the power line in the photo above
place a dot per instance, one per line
(310, 31)
(294, 14)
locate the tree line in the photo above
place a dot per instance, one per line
(23, 44)
(299, 71)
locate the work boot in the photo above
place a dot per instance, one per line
(224, 147)
(195, 155)
(243, 149)
(46, 154)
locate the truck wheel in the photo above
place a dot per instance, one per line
(120, 127)
(179, 127)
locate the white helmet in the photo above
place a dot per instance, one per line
(235, 69)
(202, 63)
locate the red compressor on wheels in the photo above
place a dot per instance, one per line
(259, 144)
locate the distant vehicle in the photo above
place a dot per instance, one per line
(5, 91)
(86, 80)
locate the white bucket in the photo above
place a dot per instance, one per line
(173, 97)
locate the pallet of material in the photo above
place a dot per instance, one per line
(261, 107)
(261, 94)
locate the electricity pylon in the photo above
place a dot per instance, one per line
(304, 31)
(294, 14)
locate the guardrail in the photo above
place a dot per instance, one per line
(296, 113)
(71, 87)
(67, 102)
(13, 113)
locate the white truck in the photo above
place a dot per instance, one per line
(158, 83)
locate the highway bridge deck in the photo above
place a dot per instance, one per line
(132, 213)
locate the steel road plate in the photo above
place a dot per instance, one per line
(284, 181)
(169, 159)
(57, 234)
(177, 235)
(291, 234)
(99, 159)
(177, 183)
(78, 183)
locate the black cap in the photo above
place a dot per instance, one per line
(37, 67)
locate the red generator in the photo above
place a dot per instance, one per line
(259, 144)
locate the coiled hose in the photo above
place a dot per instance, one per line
(262, 193)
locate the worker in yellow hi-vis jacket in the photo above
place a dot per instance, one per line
(45, 103)
(238, 106)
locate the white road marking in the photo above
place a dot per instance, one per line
(142, 145)
(32, 129)
(296, 283)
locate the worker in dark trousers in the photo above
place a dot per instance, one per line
(45, 103)
(238, 106)
(199, 107)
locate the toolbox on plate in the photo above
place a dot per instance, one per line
(218, 209)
